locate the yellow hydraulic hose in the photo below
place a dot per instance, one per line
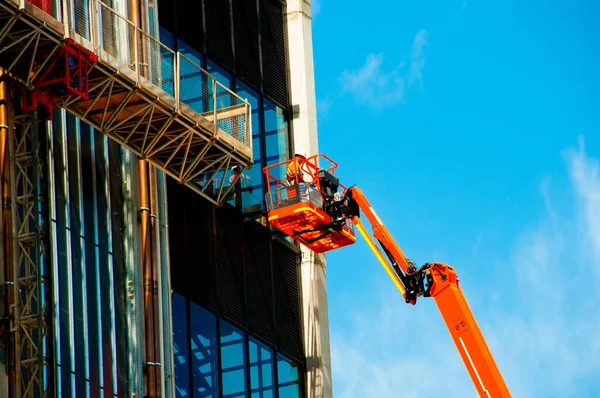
(379, 255)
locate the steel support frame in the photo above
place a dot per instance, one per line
(169, 135)
(157, 135)
(29, 312)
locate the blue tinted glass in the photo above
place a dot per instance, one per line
(233, 361)
(287, 374)
(262, 368)
(180, 346)
(193, 81)
(219, 73)
(167, 63)
(252, 192)
(167, 38)
(223, 97)
(203, 343)
(276, 138)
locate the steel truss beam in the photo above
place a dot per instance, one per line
(30, 309)
(128, 108)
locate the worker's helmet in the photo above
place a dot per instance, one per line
(301, 154)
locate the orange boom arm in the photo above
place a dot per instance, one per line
(319, 216)
(441, 284)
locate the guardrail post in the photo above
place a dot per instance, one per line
(65, 18)
(176, 82)
(95, 22)
(136, 61)
(248, 132)
(214, 84)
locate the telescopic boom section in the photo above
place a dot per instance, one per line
(442, 285)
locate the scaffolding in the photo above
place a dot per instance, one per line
(89, 59)
(129, 87)
(29, 310)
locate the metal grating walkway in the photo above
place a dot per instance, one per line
(152, 100)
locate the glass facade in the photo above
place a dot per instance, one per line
(270, 128)
(214, 358)
(237, 332)
(86, 258)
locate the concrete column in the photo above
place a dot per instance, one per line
(314, 286)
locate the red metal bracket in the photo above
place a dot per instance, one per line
(65, 75)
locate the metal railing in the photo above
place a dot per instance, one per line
(290, 195)
(178, 76)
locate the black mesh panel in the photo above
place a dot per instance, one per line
(188, 22)
(218, 32)
(192, 245)
(273, 51)
(258, 273)
(287, 302)
(165, 14)
(230, 267)
(245, 24)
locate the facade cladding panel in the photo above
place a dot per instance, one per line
(254, 286)
(242, 36)
(236, 301)
(246, 38)
(250, 287)
(87, 259)
(272, 31)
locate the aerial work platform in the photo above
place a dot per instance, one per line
(299, 210)
(127, 85)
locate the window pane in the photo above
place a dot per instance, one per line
(203, 342)
(166, 38)
(193, 81)
(287, 374)
(262, 368)
(233, 361)
(167, 60)
(252, 192)
(224, 98)
(180, 346)
(276, 138)
(219, 73)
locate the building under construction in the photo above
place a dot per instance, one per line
(136, 259)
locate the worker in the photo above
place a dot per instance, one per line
(244, 179)
(294, 173)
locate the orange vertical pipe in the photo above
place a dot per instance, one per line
(154, 264)
(148, 272)
(6, 219)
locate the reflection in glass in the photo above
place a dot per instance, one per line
(262, 367)
(233, 361)
(252, 194)
(287, 374)
(167, 62)
(224, 99)
(203, 343)
(194, 91)
(180, 346)
(276, 137)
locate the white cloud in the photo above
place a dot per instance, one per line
(585, 174)
(544, 331)
(372, 86)
(417, 58)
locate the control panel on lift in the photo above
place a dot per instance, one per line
(303, 209)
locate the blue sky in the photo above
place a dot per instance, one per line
(475, 132)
